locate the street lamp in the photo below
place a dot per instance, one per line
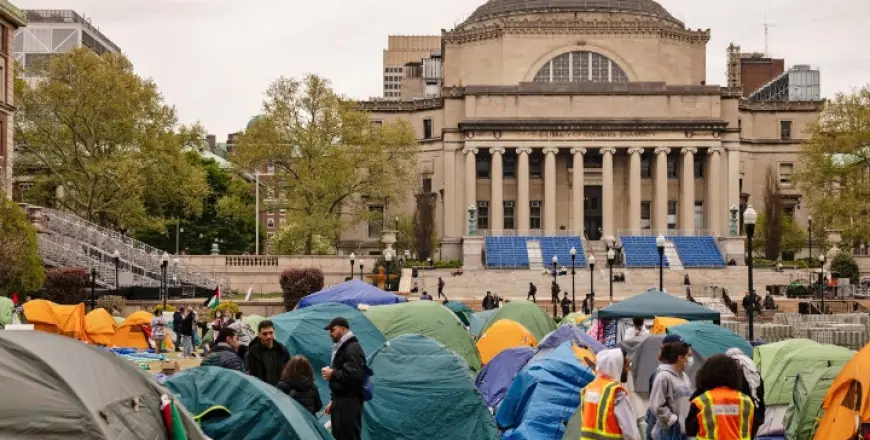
(660, 245)
(822, 280)
(388, 258)
(555, 272)
(116, 256)
(810, 231)
(352, 258)
(749, 219)
(611, 257)
(362, 264)
(573, 253)
(175, 262)
(164, 261)
(178, 231)
(591, 262)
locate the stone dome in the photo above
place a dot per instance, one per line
(496, 8)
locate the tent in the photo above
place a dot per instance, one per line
(301, 331)
(643, 352)
(49, 317)
(573, 318)
(462, 311)
(423, 391)
(257, 410)
(427, 318)
(133, 332)
(767, 355)
(779, 376)
(7, 307)
(569, 332)
(847, 400)
(527, 313)
(709, 339)
(479, 320)
(496, 376)
(351, 293)
(662, 323)
(502, 335)
(805, 409)
(654, 303)
(544, 396)
(253, 321)
(100, 326)
(58, 388)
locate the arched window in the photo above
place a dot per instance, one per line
(580, 67)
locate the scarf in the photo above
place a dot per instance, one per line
(337, 345)
(749, 370)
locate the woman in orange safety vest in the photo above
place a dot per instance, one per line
(607, 413)
(718, 411)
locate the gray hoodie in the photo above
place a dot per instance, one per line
(669, 398)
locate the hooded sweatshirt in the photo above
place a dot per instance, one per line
(302, 389)
(610, 364)
(669, 398)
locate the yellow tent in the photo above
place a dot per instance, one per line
(502, 335)
(100, 326)
(585, 355)
(49, 317)
(661, 323)
(848, 400)
(135, 332)
(40, 313)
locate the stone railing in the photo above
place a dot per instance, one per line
(252, 260)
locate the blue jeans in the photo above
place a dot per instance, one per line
(669, 433)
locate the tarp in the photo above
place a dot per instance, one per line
(7, 307)
(502, 335)
(301, 332)
(57, 388)
(779, 377)
(351, 293)
(257, 410)
(131, 333)
(423, 391)
(839, 419)
(544, 396)
(100, 326)
(527, 313)
(570, 332)
(496, 376)
(803, 413)
(462, 311)
(709, 339)
(427, 318)
(479, 320)
(654, 303)
(661, 324)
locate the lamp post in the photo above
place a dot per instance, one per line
(810, 232)
(116, 256)
(555, 272)
(362, 264)
(93, 288)
(388, 258)
(660, 245)
(749, 219)
(164, 261)
(175, 262)
(352, 258)
(591, 262)
(178, 231)
(573, 253)
(822, 280)
(611, 257)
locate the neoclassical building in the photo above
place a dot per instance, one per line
(592, 118)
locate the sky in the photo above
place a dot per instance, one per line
(213, 59)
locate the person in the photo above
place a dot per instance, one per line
(187, 329)
(488, 301)
(243, 333)
(689, 295)
(158, 330)
(752, 385)
(566, 304)
(346, 377)
(177, 317)
(223, 351)
(718, 410)
(671, 389)
(587, 304)
(533, 290)
(606, 410)
(687, 281)
(554, 292)
(425, 296)
(637, 329)
(297, 381)
(266, 357)
(440, 287)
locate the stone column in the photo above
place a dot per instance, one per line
(660, 207)
(607, 228)
(734, 176)
(449, 197)
(550, 189)
(521, 208)
(496, 203)
(713, 190)
(577, 192)
(634, 197)
(470, 181)
(687, 190)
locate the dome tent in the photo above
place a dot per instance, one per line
(805, 410)
(351, 293)
(502, 335)
(779, 376)
(497, 375)
(847, 400)
(526, 313)
(462, 311)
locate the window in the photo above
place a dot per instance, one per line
(482, 166)
(509, 214)
(535, 165)
(590, 203)
(590, 161)
(699, 214)
(270, 211)
(740, 125)
(645, 166)
(283, 212)
(788, 211)
(377, 123)
(785, 130)
(645, 214)
(785, 172)
(427, 186)
(672, 214)
(270, 169)
(482, 214)
(3, 78)
(4, 39)
(427, 128)
(672, 166)
(581, 67)
(699, 166)
(535, 214)
(376, 222)
(270, 235)
(270, 223)
(509, 164)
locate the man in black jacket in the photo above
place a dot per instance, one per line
(223, 352)
(346, 378)
(266, 356)
(177, 317)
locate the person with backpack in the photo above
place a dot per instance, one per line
(347, 377)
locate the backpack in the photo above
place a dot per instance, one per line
(368, 387)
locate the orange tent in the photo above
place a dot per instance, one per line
(133, 334)
(502, 335)
(100, 326)
(661, 323)
(40, 313)
(848, 400)
(49, 317)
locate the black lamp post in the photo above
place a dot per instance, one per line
(810, 231)
(611, 257)
(93, 288)
(555, 272)
(660, 245)
(749, 219)
(822, 280)
(591, 262)
(388, 261)
(164, 262)
(573, 253)
(116, 256)
(361, 266)
(352, 258)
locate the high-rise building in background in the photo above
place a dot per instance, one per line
(11, 18)
(401, 50)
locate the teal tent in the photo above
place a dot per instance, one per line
(462, 311)
(709, 339)
(423, 391)
(654, 303)
(479, 320)
(257, 410)
(805, 410)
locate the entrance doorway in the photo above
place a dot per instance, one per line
(592, 212)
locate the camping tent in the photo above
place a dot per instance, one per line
(527, 313)
(803, 413)
(462, 311)
(840, 404)
(100, 326)
(497, 375)
(479, 320)
(654, 303)
(662, 323)
(708, 339)
(351, 293)
(643, 352)
(569, 332)
(58, 388)
(132, 332)
(7, 307)
(502, 335)
(66, 320)
(301, 331)
(779, 376)
(257, 410)
(767, 355)
(450, 407)
(573, 318)
(253, 321)
(427, 318)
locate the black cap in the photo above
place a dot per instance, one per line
(672, 338)
(337, 321)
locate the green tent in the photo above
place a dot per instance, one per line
(423, 391)
(479, 320)
(6, 309)
(527, 313)
(654, 303)
(257, 410)
(779, 376)
(253, 321)
(427, 318)
(804, 412)
(462, 311)
(767, 355)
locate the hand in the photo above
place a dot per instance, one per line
(328, 408)
(326, 372)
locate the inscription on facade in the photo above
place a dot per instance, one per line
(569, 134)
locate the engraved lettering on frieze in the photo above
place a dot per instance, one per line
(714, 134)
(593, 134)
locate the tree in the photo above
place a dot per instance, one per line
(330, 161)
(834, 172)
(21, 268)
(845, 267)
(773, 216)
(94, 127)
(792, 237)
(299, 283)
(66, 285)
(291, 239)
(424, 225)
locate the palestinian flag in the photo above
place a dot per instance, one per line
(172, 419)
(216, 299)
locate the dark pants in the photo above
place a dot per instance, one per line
(177, 339)
(243, 350)
(346, 417)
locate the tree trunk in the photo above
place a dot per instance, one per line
(309, 242)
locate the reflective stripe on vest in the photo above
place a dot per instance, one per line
(724, 414)
(597, 402)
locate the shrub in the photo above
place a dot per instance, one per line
(299, 283)
(169, 308)
(109, 302)
(21, 267)
(845, 267)
(225, 308)
(67, 285)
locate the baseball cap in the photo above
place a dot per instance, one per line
(672, 338)
(337, 321)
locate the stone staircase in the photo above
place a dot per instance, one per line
(672, 256)
(536, 259)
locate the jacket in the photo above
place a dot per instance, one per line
(669, 397)
(187, 325)
(242, 331)
(257, 366)
(302, 389)
(177, 317)
(349, 370)
(222, 355)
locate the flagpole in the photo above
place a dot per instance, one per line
(257, 214)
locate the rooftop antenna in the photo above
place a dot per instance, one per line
(767, 27)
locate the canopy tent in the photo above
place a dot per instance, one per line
(450, 407)
(502, 335)
(7, 307)
(462, 311)
(54, 318)
(58, 388)
(527, 313)
(133, 332)
(496, 376)
(847, 400)
(570, 332)
(654, 303)
(100, 326)
(709, 339)
(351, 293)
(301, 331)
(479, 320)
(427, 318)
(257, 410)
(544, 396)
(662, 323)
(805, 409)
(779, 377)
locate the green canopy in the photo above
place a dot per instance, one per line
(804, 412)
(654, 303)
(422, 391)
(427, 318)
(710, 339)
(527, 313)
(479, 320)
(257, 410)
(462, 311)
(6, 309)
(779, 376)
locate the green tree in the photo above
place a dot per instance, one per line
(773, 216)
(94, 127)
(792, 237)
(845, 267)
(330, 161)
(21, 268)
(290, 240)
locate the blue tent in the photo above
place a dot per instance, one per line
(479, 320)
(544, 396)
(351, 293)
(570, 333)
(496, 376)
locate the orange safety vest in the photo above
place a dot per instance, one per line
(724, 414)
(597, 402)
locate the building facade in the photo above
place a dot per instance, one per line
(11, 18)
(592, 118)
(401, 50)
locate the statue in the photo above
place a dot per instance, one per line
(734, 210)
(381, 277)
(472, 221)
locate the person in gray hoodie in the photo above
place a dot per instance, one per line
(671, 390)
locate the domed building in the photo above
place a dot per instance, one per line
(593, 119)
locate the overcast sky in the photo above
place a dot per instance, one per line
(214, 58)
